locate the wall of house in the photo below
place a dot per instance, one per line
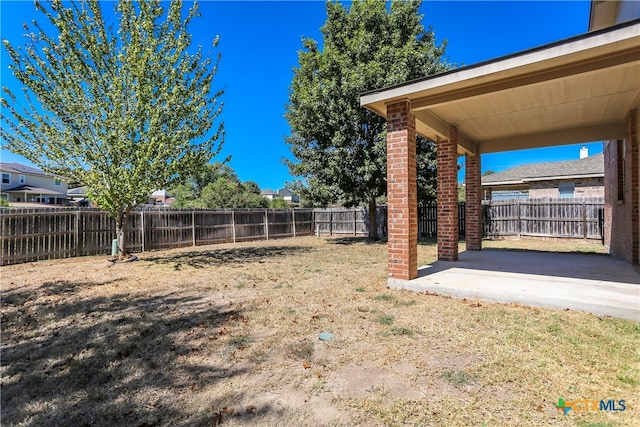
(621, 214)
(585, 187)
(42, 181)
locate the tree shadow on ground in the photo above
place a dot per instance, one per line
(355, 240)
(207, 258)
(73, 358)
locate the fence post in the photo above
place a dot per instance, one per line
(293, 218)
(77, 233)
(354, 221)
(330, 223)
(584, 220)
(266, 223)
(233, 224)
(519, 222)
(142, 231)
(193, 227)
(314, 224)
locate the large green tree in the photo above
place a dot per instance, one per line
(122, 107)
(217, 186)
(340, 148)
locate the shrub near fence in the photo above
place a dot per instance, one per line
(37, 234)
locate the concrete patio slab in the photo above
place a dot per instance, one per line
(597, 284)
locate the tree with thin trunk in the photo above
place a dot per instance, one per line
(339, 147)
(124, 108)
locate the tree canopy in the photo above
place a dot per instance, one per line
(122, 108)
(217, 186)
(340, 148)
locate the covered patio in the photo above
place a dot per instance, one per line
(597, 284)
(578, 90)
(29, 193)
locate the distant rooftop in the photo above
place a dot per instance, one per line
(19, 168)
(592, 166)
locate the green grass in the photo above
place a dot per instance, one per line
(457, 378)
(386, 319)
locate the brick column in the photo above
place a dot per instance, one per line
(633, 145)
(447, 196)
(473, 205)
(402, 192)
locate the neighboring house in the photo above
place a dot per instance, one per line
(24, 184)
(284, 193)
(78, 195)
(160, 197)
(566, 179)
(269, 194)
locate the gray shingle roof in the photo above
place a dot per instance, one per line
(19, 168)
(589, 166)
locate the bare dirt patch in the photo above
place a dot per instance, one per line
(229, 334)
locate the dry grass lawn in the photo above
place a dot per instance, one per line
(229, 335)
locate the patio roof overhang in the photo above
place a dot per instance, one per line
(573, 91)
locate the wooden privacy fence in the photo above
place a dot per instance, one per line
(563, 218)
(428, 220)
(36, 234)
(348, 222)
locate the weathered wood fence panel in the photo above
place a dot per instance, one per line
(348, 221)
(561, 218)
(37, 234)
(428, 221)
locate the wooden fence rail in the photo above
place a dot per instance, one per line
(32, 235)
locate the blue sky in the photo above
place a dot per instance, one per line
(259, 42)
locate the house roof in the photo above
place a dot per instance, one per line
(573, 91)
(19, 168)
(285, 192)
(29, 189)
(592, 166)
(268, 192)
(78, 191)
(163, 193)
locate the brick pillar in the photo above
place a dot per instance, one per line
(473, 205)
(402, 192)
(447, 196)
(633, 145)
